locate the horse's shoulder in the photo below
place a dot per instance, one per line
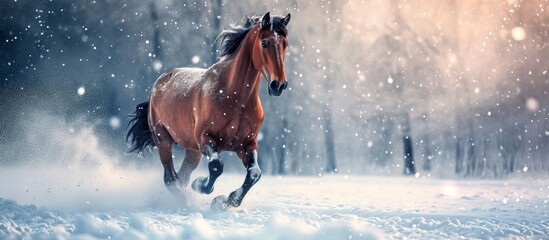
(183, 80)
(187, 74)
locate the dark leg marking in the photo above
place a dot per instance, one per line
(235, 198)
(215, 167)
(170, 176)
(170, 179)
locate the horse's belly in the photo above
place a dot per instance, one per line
(184, 136)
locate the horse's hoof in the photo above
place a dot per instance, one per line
(220, 203)
(233, 200)
(199, 186)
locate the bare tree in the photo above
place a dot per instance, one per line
(217, 11)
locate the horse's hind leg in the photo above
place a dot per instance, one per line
(170, 176)
(249, 158)
(215, 167)
(192, 158)
(164, 141)
(164, 144)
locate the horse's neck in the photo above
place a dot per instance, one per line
(245, 78)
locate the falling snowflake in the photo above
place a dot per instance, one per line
(157, 65)
(518, 33)
(114, 121)
(81, 90)
(195, 59)
(532, 104)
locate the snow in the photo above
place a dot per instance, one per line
(81, 90)
(518, 33)
(104, 200)
(115, 122)
(195, 59)
(532, 104)
(73, 187)
(185, 79)
(157, 65)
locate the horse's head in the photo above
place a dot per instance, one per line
(269, 49)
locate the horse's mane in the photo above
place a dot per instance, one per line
(232, 37)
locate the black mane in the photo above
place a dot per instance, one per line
(232, 37)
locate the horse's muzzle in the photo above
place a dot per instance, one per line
(276, 89)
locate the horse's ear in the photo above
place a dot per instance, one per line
(266, 20)
(286, 19)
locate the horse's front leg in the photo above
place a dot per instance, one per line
(215, 166)
(249, 158)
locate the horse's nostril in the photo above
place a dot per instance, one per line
(274, 85)
(284, 86)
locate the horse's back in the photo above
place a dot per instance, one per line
(181, 81)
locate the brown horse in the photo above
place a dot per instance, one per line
(207, 111)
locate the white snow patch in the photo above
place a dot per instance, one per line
(185, 79)
(331, 207)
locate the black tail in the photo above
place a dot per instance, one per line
(139, 134)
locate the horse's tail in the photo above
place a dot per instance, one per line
(139, 134)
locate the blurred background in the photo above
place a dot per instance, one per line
(440, 88)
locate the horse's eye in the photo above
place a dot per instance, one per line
(264, 44)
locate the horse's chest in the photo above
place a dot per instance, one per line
(241, 126)
(233, 124)
(239, 130)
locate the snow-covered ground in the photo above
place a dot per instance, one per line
(105, 201)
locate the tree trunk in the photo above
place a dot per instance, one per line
(329, 141)
(428, 155)
(427, 151)
(282, 150)
(156, 33)
(408, 155)
(263, 155)
(459, 147)
(471, 157)
(216, 28)
(409, 164)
